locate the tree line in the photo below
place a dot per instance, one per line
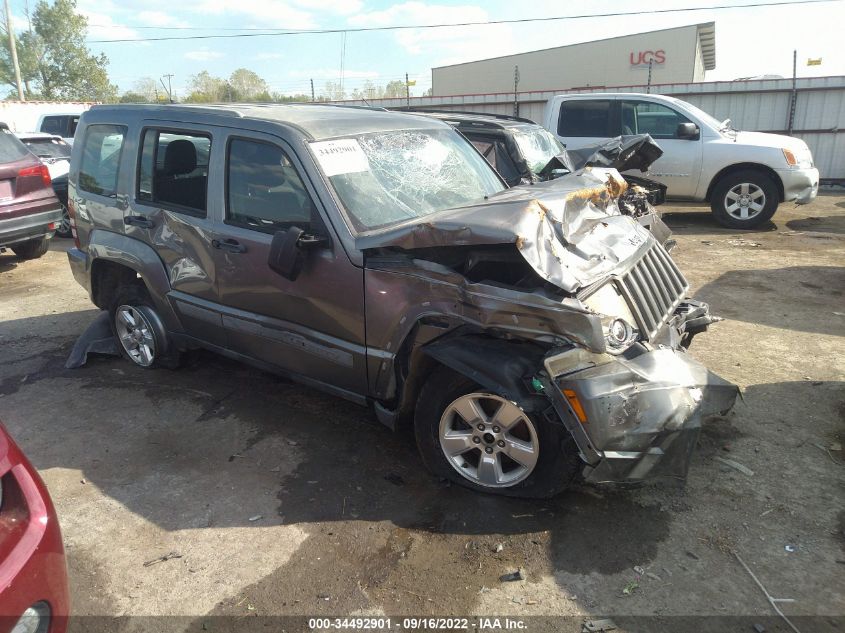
(56, 65)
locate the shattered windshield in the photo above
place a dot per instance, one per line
(538, 146)
(384, 178)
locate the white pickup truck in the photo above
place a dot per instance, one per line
(743, 175)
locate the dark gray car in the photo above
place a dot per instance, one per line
(530, 335)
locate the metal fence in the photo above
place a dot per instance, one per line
(815, 107)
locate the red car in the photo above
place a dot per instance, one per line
(33, 575)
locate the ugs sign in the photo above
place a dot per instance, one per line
(643, 58)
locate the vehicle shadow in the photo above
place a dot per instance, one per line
(760, 296)
(692, 222)
(828, 224)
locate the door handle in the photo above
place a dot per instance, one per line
(228, 244)
(138, 220)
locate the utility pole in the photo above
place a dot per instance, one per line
(168, 87)
(312, 91)
(407, 92)
(648, 87)
(14, 49)
(794, 96)
(515, 89)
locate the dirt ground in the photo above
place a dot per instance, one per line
(280, 500)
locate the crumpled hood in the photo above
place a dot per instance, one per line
(569, 230)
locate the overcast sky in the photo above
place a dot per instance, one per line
(752, 41)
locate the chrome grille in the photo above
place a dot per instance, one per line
(653, 288)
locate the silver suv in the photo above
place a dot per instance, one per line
(531, 335)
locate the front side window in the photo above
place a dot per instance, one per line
(384, 178)
(264, 190)
(645, 117)
(101, 159)
(585, 117)
(174, 170)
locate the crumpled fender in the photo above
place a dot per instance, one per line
(503, 367)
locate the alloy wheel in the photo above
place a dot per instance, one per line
(745, 201)
(136, 335)
(489, 440)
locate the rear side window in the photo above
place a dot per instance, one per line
(101, 159)
(11, 148)
(174, 170)
(264, 191)
(585, 118)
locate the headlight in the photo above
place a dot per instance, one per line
(619, 335)
(802, 159)
(36, 619)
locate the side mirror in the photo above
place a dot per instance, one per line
(688, 131)
(287, 251)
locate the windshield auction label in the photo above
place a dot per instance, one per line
(343, 156)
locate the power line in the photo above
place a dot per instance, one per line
(453, 24)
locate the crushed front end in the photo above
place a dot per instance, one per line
(636, 410)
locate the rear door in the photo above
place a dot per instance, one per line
(680, 166)
(583, 122)
(312, 326)
(171, 209)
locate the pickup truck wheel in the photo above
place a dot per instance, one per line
(744, 199)
(139, 331)
(31, 249)
(485, 442)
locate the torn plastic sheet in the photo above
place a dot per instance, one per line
(569, 230)
(96, 339)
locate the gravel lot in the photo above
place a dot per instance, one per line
(283, 501)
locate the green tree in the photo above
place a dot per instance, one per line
(206, 88)
(55, 63)
(248, 86)
(133, 97)
(394, 89)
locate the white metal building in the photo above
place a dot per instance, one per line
(677, 55)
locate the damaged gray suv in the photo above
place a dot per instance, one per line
(531, 335)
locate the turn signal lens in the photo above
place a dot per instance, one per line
(572, 399)
(790, 158)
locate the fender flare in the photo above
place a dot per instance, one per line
(505, 367)
(142, 258)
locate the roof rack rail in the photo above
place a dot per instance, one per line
(337, 105)
(504, 117)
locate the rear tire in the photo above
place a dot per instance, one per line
(138, 330)
(63, 229)
(483, 463)
(32, 249)
(744, 199)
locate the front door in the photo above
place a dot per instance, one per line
(680, 166)
(313, 326)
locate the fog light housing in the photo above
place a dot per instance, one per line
(36, 619)
(619, 335)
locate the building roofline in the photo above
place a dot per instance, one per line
(708, 28)
(707, 43)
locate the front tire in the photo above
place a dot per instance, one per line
(744, 199)
(31, 249)
(487, 443)
(138, 330)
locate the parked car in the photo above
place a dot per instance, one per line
(34, 595)
(55, 153)
(743, 175)
(59, 124)
(29, 209)
(530, 334)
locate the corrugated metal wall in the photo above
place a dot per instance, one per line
(760, 105)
